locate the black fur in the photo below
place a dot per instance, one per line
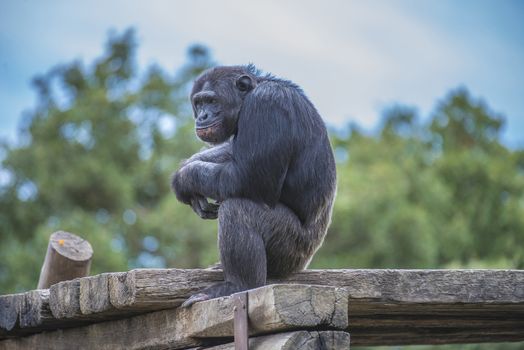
(272, 173)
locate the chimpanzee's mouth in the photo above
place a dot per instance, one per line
(210, 132)
(209, 126)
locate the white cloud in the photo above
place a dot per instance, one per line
(351, 57)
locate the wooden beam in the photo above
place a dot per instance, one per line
(34, 311)
(68, 256)
(25, 313)
(449, 300)
(64, 300)
(434, 336)
(141, 287)
(95, 301)
(9, 309)
(303, 340)
(423, 286)
(138, 289)
(241, 321)
(114, 294)
(384, 305)
(273, 308)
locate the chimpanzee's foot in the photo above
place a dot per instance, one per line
(195, 298)
(215, 291)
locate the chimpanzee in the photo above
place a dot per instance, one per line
(271, 173)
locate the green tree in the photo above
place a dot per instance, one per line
(96, 156)
(444, 193)
(485, 180)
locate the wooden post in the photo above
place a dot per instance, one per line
(68, 256)
(240, 321)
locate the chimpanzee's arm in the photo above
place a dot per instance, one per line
(261, 152)
(216, 154)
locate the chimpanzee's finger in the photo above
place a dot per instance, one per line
(206, 206)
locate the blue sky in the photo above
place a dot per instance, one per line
(352, 58)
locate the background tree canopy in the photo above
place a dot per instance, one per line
(96, 154)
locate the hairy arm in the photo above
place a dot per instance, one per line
(182, 182)
(217, 154)
(261, 152)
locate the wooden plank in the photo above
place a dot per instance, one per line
(64, 299)
(393, 300)
(155, 289)
(35, 312)
(34, 315)
(26, 313)
(168, 287)
(64, 303)
(94, 295)
(303, 340)
(396, 307)
(86, 300)
(475, 301)
(423, 286)
(94, 300)
(271, 309)
(240, 321)
(433, 336)
(147, 289)
(9, 309)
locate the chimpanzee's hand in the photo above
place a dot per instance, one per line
(203, 208)
(181, 187)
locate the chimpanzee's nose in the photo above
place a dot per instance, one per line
(202, 117)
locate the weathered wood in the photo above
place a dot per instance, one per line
(32, 313)
(120, 294)
(64, 302)
(402, 305)
(85, 299)
(158, 288)
(275, 308)
(94, 294)
(240, 321)
(9, 309)
(271, 308)
(95, 300)
(168, 287)
(376, 296)
(64, 299)
(303, 340)
(155, 289)
(423, 286)
(68, 256)
(35, 312)
(434, 336)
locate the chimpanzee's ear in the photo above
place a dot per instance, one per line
(245, 83)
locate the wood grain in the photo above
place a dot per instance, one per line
(273, 308)
(68, 256)
(303, 340)
(385, 306)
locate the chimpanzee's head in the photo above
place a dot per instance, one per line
(217, 98)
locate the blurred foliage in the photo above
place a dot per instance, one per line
(446, 193)
(96, 154)
(95, 158)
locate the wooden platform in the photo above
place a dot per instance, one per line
(138, 310)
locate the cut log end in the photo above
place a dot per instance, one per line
(71, 246)
(68, 256)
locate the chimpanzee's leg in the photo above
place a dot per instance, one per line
(256, 241)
